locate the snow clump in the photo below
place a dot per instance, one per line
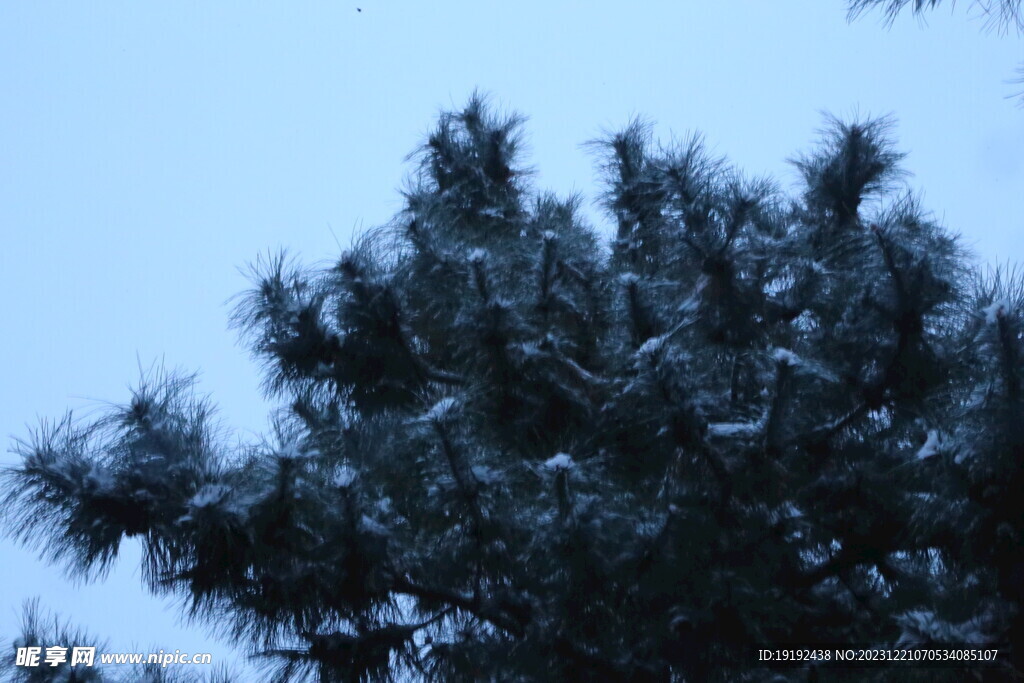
(930, 447)
(786, 357)
(440, 410)
(561, 461)
(996, 310)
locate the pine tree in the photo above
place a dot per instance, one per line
(1003, 13)
(509, 449)
(46, 631)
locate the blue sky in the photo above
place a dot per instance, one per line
(148, 151)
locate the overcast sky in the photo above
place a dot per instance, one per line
(150, 150)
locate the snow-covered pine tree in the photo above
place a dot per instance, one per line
(45, 631)
(509, 450)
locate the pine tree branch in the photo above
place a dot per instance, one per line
(773, 425)
(440, 376)
(830, 429)
(473, 605)
(1008, 356)
(608, 669)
